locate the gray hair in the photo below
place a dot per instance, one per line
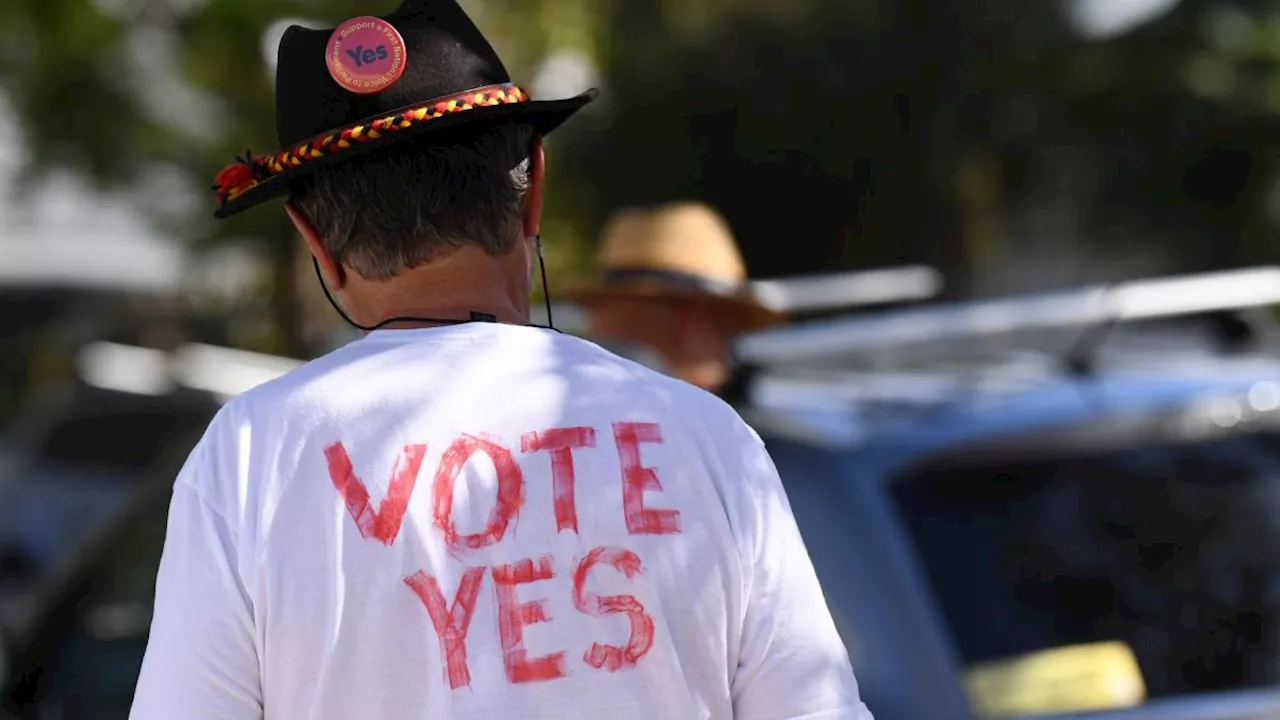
(411, 202)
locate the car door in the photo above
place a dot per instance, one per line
(80, 658)
(77, 464)
(896, 639)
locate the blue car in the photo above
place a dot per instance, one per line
(1043, 520)
(1010, 522)
(72, 464)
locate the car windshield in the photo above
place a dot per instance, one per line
(74, 474)
(96, 633)
(1171, 548)
(119, 437)
(41, 516)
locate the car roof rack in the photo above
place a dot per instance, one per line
(108, 264)
(801, 294)
(844, 290)
(220, 371)
(945, 332)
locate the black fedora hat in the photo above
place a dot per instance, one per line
(373, 81)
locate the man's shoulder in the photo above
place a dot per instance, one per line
(635, 353)
(314, 388)
(286, 390)
(641, 366)
(683, 399)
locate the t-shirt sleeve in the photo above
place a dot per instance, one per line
(201, 661)
(792, 663)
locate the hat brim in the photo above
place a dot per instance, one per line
(543, 116)
(746, 312)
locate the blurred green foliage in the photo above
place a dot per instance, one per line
(114, 88)
(832, 133)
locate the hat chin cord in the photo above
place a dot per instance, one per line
(475, 316)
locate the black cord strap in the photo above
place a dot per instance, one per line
(475, 316)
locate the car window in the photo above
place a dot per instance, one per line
(1170, 548)
(85, 466)
(91, 665)
(41, 517)
(116, 437)
(43, 520)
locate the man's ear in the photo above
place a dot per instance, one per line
(334, 274)
(533, 197)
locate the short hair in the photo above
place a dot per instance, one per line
(413, 201)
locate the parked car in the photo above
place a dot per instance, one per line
(1008, 521)
(1037, 527)
(79, 655)
(72, 465)
(84, 488)
(1041, 521)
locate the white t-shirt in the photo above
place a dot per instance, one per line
(485, 521)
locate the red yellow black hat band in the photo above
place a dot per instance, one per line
(251, 171)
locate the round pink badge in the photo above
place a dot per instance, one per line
(366, 55)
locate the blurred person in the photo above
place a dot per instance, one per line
(671, 279)
(461, 514)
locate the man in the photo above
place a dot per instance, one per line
(460, 515)
(671, 279)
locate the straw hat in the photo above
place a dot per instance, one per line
(680, 250)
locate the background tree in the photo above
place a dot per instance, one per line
(128, 91)
(990, 138)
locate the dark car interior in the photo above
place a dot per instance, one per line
(96, 445)
(83, 659)
(92, 588)
(1170, 545)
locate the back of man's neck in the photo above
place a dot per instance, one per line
(465, 286)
